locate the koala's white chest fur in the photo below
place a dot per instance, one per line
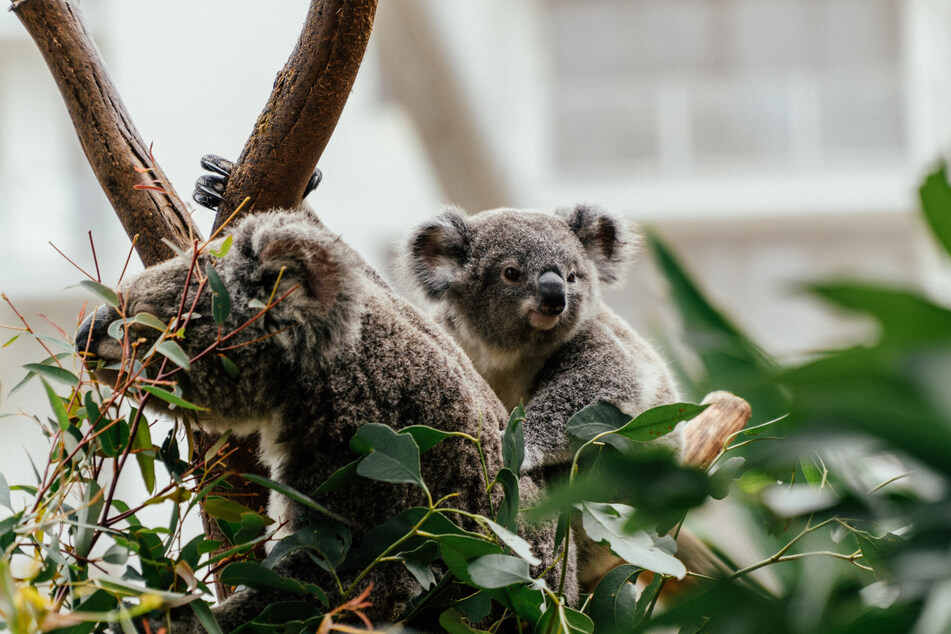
(510, 374)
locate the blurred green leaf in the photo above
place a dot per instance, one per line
(658, 421)
(254, 575)
(205, 617)
(906, 318)
(226, 509)
(935, 194)
(223, 248)
(231, 369)
(612, 604)
(5, 493)
(87, 517)
(731, 360)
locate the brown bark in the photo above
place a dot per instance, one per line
(274, 168)
(297, 121)
(142, 197)
(707, 434)
(419, 76)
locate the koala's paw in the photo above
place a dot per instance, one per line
(210, 188)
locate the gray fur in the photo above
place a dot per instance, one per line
(588, 355)
(354, 353)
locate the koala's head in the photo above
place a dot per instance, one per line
(294, 296)
(517, 278)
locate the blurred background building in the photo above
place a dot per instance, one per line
(770, 141)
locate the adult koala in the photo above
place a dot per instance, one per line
(520, 291)
(338, 351)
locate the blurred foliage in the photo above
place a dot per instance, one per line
(842, 484)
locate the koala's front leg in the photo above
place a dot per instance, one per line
(210, 188)
(546, 419)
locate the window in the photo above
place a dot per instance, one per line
(674, 86)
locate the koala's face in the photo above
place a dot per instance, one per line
(519, 278)
(288, 283)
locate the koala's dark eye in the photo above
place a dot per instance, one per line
(511, 273)
(571, 277)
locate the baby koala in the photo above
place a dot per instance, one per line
(520, 291)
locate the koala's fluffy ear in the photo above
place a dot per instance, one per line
(436, 252)
(307, 262)
(610, 241)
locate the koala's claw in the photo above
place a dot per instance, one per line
(210, 188)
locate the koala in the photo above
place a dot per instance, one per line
(520, 291)
(340, 350)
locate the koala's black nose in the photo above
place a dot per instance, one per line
(94, 331)
(551, 289)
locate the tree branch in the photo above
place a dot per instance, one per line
(297, 121)
(136, 186)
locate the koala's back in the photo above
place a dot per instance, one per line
(402, 370)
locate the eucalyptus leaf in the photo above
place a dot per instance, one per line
(291, 493)
(606, 523)
(615, 597)
(499, 571)
(518, 545)
(104, 293)
(55, 373)
(171, 350)
(168, 397)
(513, 441)
(220, 299)
(393, 457)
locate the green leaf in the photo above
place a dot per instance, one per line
(55, 373)
(56, 403)
(659, 421)
(518, 545)
(5, 493)
(220, 299)
(87, 516)
(613, 602)
(906, 317)
(291, 493)
(174, 353)
(508, 510)
(254, 575)
(935, 196)
(252, 525)
(231, 369)
(168, 397)
(417, 563)
(453, 623)
(104, 293)
(426, 437)
(560, 618)
(150, 320)
(116, 554)
(223, 249)
(596, 419)
(340, 479)
(605, 523)
(205, 617)
(513, 441)
(458, 550)
(499, 571)
(393, 457)
(226, 509)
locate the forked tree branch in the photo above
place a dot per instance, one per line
(136, 186)
(309, 95)
(273, 169)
